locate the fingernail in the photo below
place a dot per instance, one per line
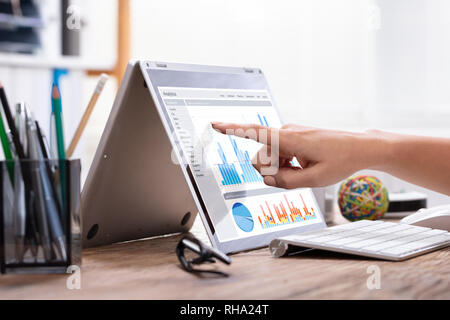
(270, 181)
(216, 123)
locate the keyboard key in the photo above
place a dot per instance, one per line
(299, 237)
(410, 230)
(331, 232)
(308, 235)
(353, 225)
(355, 236)
(326, 238)
(372, 241)
(328, 232)
(418, 229)
(321, 238)
(396, 242)
(434, 232)
(416, 245)
(350, 233)
(377, 226)
(343, 241)
(392, 229)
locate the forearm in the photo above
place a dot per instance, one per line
(420, 160)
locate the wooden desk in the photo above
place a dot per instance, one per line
(149, 269)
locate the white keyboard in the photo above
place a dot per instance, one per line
(377, 239)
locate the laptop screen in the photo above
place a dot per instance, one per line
(238, 204)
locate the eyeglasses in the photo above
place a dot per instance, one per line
(203, 254)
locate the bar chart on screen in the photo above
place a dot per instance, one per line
(229, 156)
(279, 210)
(285, 212)
(228, 171)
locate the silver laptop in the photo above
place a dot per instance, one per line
(160, 162)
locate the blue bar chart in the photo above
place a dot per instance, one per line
(228, 170)
(263, 120)
(240, 170)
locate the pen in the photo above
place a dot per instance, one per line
(30, 224)
(51, 209)
(81, 126)
(18, 208)
(31, 228)
(53, 143)
(21, 125)
(44, 150)
(42, 223)
(19, 213)
(41, 140)
(48, 166)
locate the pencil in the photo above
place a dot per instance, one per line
(57, 109)
(87, 113)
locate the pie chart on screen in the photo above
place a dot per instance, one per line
(242, 217)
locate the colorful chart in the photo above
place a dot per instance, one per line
(286, 213)
(242, 217)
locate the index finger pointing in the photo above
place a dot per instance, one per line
(259, 133)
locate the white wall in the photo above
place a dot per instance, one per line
(333, 63)
(412, 51)
(313, 52)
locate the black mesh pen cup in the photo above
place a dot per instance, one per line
(39, 216)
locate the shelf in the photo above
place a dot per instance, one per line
(12, 21)
(39, 61)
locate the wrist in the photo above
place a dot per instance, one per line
(378, 149)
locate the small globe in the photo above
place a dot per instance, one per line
(363, 197)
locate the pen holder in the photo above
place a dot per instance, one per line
(39, 216)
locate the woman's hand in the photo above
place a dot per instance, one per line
(326, 156)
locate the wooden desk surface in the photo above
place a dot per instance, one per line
(149, 269)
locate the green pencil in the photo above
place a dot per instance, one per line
(57, 109)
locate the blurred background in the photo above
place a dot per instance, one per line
(346, 64)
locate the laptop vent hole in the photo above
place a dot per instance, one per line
(92, 232)
(186, 218)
